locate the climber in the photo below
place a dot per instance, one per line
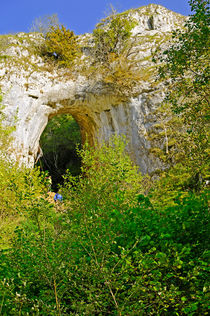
(58, 197)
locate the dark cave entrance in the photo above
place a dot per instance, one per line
(59, 143)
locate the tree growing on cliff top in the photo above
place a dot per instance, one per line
(112, 36)
(60, 43)
(43, 24)
(113, 57)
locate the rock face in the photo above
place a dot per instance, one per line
(33, 93)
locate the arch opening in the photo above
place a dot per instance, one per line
(59, 142)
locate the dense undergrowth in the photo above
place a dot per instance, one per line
(106, 249)
(119, 243)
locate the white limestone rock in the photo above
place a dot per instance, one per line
(32, 93)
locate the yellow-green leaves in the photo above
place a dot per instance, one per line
(183, 137)
(111, 53)
(60, 45)
(112, 36)
(186, 63)
(108, 178)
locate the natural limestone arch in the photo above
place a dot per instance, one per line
(33, 93)
(97, 111)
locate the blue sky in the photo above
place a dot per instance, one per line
(79, 15)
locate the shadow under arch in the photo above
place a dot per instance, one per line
(59, 142)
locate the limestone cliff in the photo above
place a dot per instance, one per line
(33, 91)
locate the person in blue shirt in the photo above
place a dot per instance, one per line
(58, 197)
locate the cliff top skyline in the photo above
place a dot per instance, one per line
(80, 16)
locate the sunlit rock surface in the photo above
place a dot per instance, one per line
(33, 93)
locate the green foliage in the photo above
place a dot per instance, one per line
(186, 64)
(61, 44)
(105, 252)
(122, 261)
(19, 187)
(113, 57)
(171, 144)
(112, 35)
(108, 176)
(180, 139)
(61, 130)
(46, 232)
(108, 248)
(166, 135)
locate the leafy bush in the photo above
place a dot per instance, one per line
(61, 45)
(112, 35)
(142, 261)
(113, 57)
(185, 63)
(108, 175)
(105, 252)
(19, 186)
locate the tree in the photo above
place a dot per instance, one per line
(113, 57)
(108, 177)
(44, 24)
(61, 43)
(185, 68)
(112, 36)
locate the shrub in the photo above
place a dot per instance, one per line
(139, 261)
(112, 36)
(61, 45)
(113, 57)
(185, 64)
(108, 175)
(105, 252)
(19, 187)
